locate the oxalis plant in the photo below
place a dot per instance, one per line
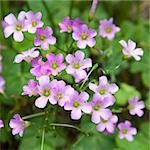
(62, 81)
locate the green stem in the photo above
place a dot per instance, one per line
(33, 115)
(120, 110)
(68, 126)
(43, 137)
(49, 14)
(93, 68)
(60, 49)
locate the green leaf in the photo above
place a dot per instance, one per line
(125, 93)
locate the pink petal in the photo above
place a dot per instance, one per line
(87, 63)
(51, 40)
(86, 108)
(10, 19)
(19, 58)
(70, 58)
(84, 96)
(113, 88)
(91, 42)
(44, 80)
(103, 80)
(81, 44)
(123, 43)
(68, 106)
(100, 127)
(45, 46)
(18, 36)
(93, 87)
(76, 114)
(8, 31)
(52, 100)
(95, 117)
(131, 44)
(79, 55)
(41, 102)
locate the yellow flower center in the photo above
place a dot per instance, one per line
(18, 27)
(54, 65)
(108, 29)
(34, 23)
(76, 104)
(46, 92)
(76, 65)
(104, 121)
(59, 96)
(84, 36)
(69, 27)
(124, 131)
(102, 91)
(96, 107)
(42, 37)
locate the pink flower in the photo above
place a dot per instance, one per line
(1, 124)
(77, 24)
(46, 92)
(27, 55)
(126, 131)
(54, 63)
(38, 69)
(62, 92)
(14, 26)
(31, 88)
(78, 104)
(2, 84)
(78, 65)
(18, 125)
(33, 21)
(84, 36)
(66, 25)
(135, 107)
(130, 50)
(107, 125)
(44, 38)
(104, 89)
(99, 109)
(108, 29)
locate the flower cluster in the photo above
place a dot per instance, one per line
(48, 88)
(81, 33)
(28, 22)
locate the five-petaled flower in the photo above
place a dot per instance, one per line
(18, 125)
(45, 91)
(126, 131)
(135, 107)
(84, 36)
(99, 109)
(33, 21)
(66, 25)
(27, 55)
(130, 50)
(78, 104)
(107, 125)
(78, 65)
(14, 26)
(62, 92)
(44, 38)
(104, 89)
(108, 29)
(31, 88)
(54, 63)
